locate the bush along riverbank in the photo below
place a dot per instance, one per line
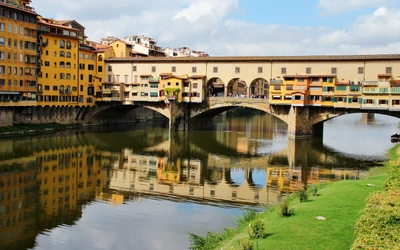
(379, 224)
(35, 128)
(321, 217)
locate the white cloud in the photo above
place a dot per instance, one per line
(208, 25)
(341, 6)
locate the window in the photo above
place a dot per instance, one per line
(283, 70)
(173, 69)
(2, 41)
(308, 70)
(260, 69)
(194, 69)
(388, 70)
(134, 68)
(237, 70)
(334, 71)
(153, 69)
(360, 70)
(68, 55)
(215, 70)
(2, 26)
(62, 44)
(100, 68)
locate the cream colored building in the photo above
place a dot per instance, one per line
(348, 81)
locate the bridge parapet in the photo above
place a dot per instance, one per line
(235, 100)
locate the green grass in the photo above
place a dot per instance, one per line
(339, 202)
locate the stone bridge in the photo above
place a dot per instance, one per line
(302, 120)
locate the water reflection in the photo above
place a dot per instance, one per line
(47, 181)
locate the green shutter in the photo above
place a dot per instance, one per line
(360, 100)
(373, 102)
(323, 98)
(364, 101)
(324, 89)
(345, 99)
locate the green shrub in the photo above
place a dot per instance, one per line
(379, 224)
(210, 241)
(247, 217)
(247, 245)
(313, 189)
(257, 230)
(284, 210)
(303, 195)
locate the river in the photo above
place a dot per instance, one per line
(143, 187)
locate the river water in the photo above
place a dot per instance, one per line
(143, 187)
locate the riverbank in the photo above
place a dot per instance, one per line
(340, 203)
(35, 128)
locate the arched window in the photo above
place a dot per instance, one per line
(40, 88)
(55, 53)
(62, 89)
(68, 65)
(68, 89)
(100, 58)
(55, 64)
(62, 76)
(62, 54)
(62, 44)
(62, 64)
(68, 55)
(68, 44)
(68, 76)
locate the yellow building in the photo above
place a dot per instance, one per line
(121, 48)
(103, 52)
(18, 59)
(59, 73)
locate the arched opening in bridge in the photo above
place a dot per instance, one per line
(259, 88)
(237, 88)
(371, 132)
(215, 87)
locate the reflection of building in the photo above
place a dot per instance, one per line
(17, 202)
(67, 177)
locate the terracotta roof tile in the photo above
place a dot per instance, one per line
(260, 58)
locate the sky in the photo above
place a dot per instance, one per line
(242, 27)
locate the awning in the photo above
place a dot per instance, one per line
(218, 85)
(134, 91)
(9, 93)
(276, 96)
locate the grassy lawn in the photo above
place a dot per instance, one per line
(340, 203)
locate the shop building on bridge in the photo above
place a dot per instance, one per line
(345, 81)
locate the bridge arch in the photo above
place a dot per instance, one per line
(319, 120)
(215, 87)
(237, 87)
(259, 88)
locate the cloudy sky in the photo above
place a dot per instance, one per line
(242, 27)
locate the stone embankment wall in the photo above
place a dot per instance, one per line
(73, 115)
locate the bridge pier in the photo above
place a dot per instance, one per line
(301, 123)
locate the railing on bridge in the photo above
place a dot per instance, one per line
(237, 100)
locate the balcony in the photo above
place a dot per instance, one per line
(154, 79)
(370, 83)
(276, 81)
(115, 88)
(18, 88)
